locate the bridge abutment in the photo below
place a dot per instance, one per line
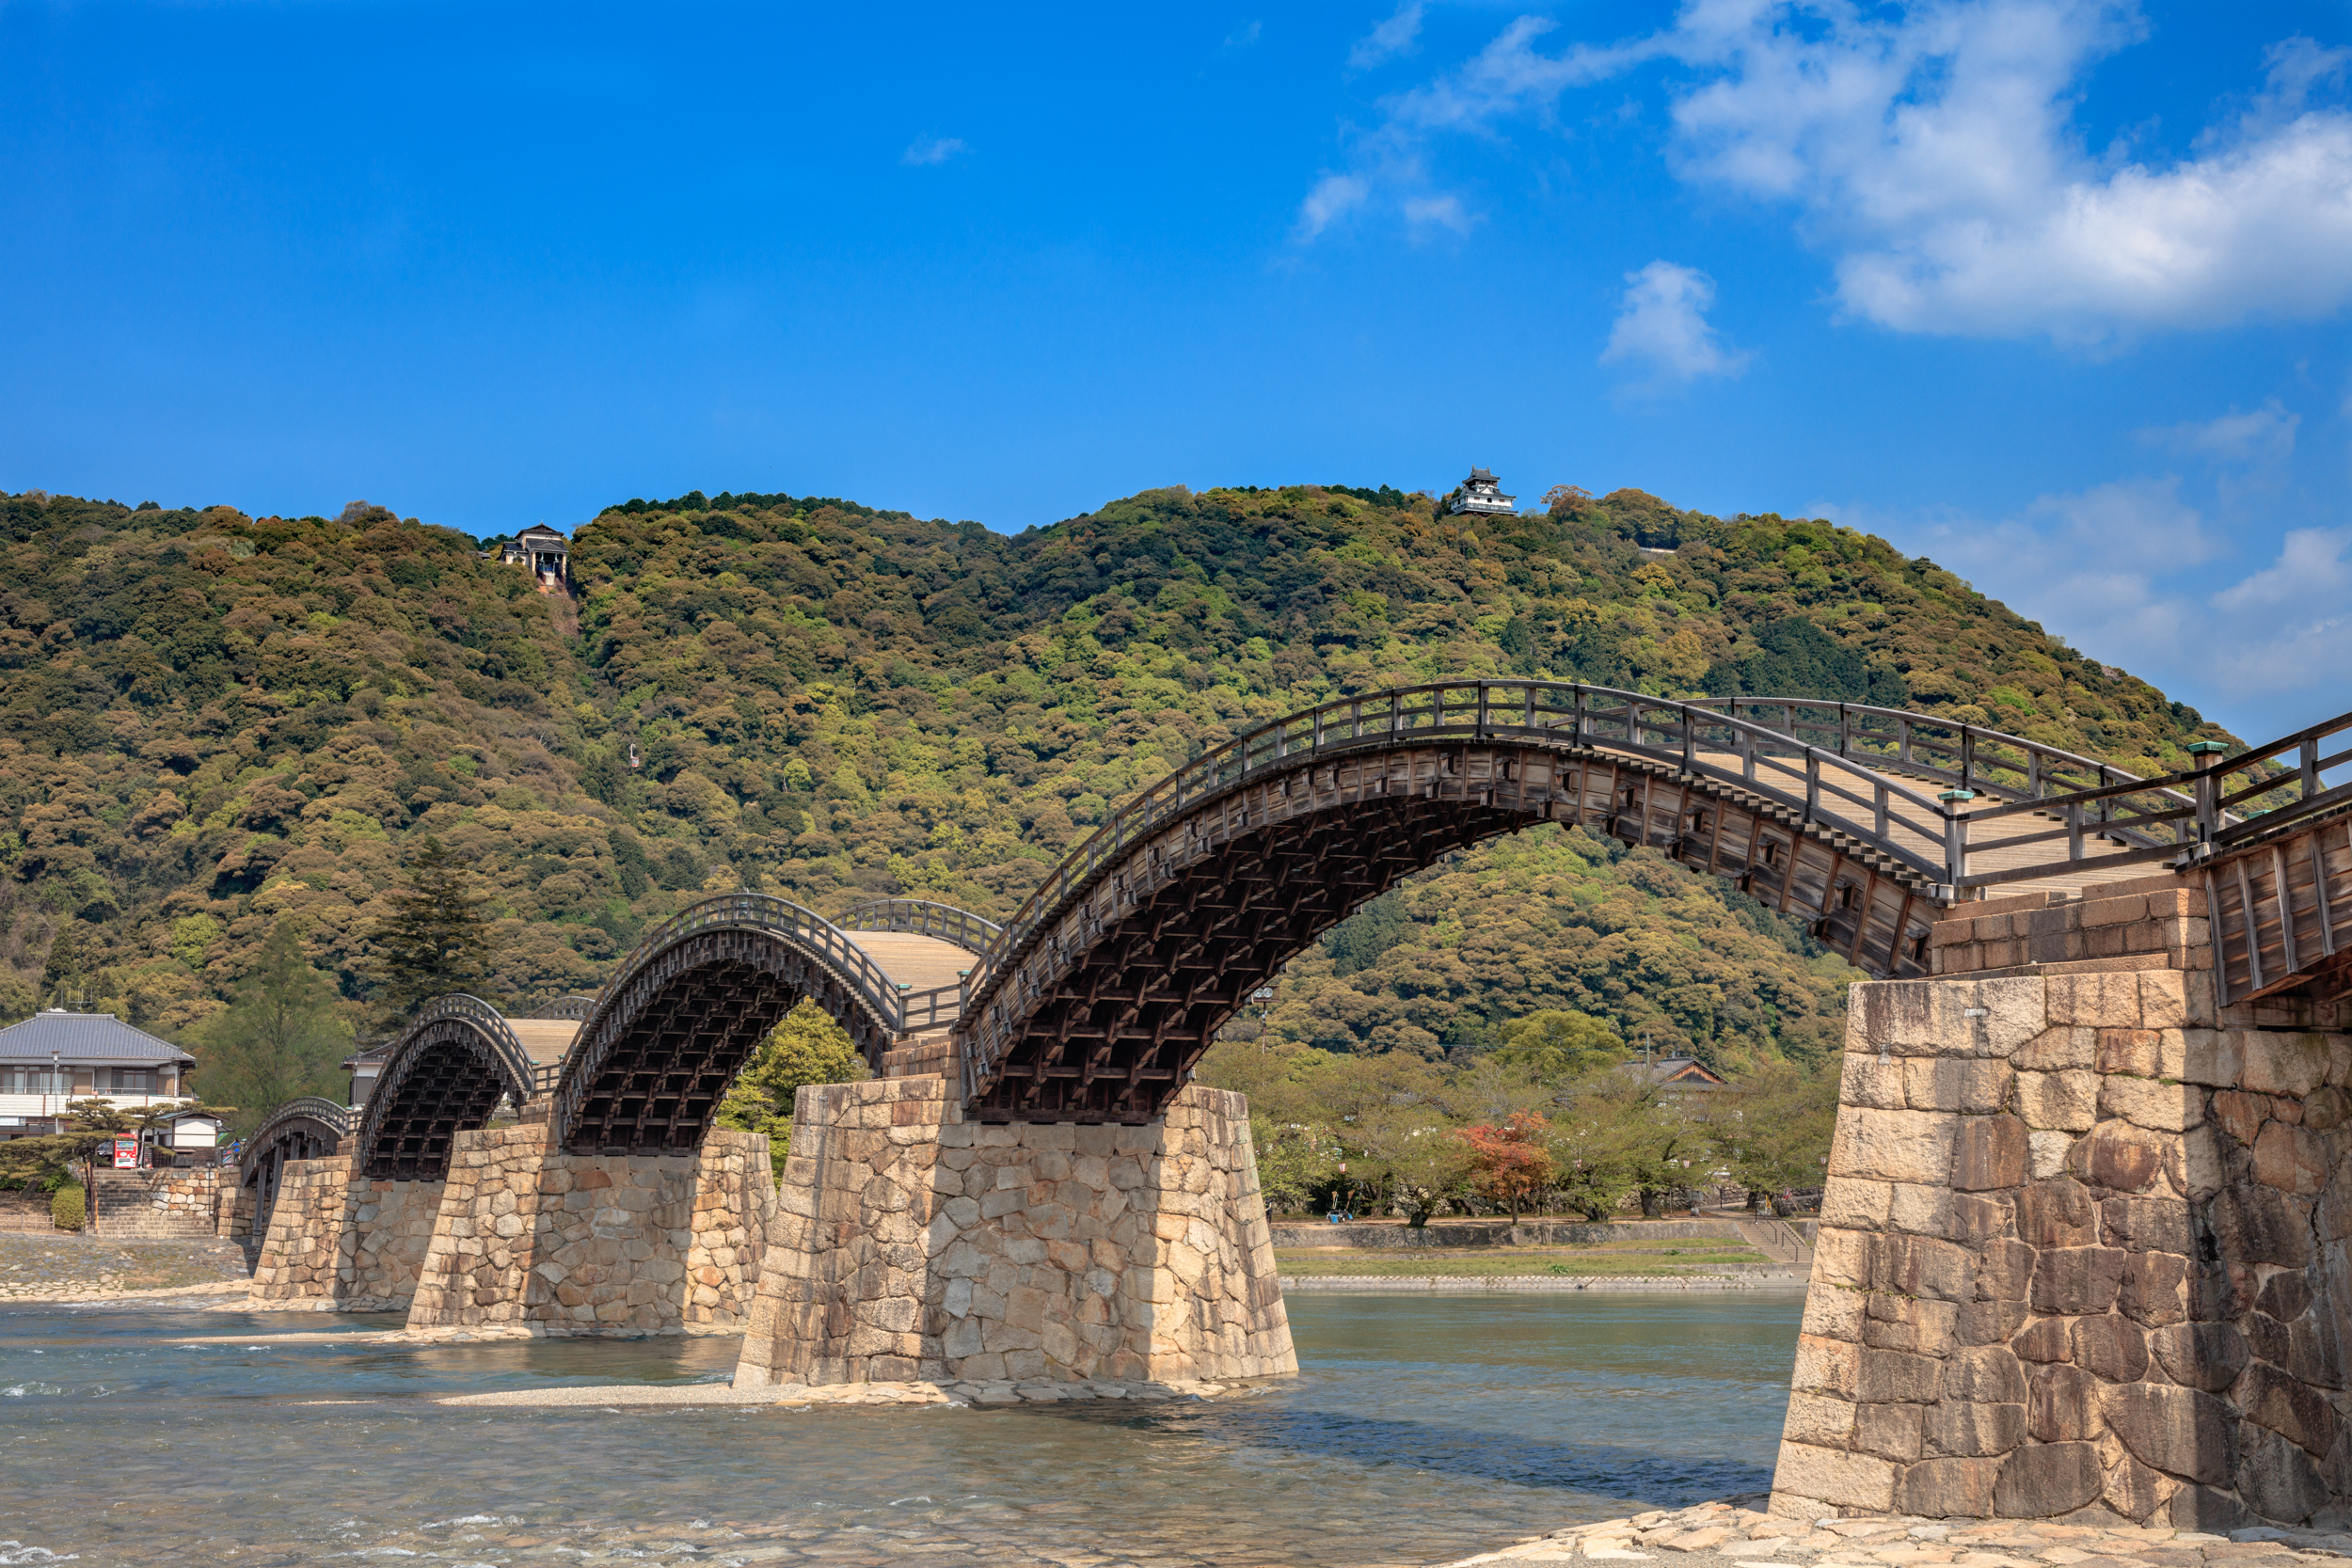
(532, 1238)
(914, 1243)
(2085, 1247)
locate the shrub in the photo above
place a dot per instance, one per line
(67, 1209)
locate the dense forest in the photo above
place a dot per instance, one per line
(212, 724)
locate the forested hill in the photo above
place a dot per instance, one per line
(211, 722)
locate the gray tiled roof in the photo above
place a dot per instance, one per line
(84, 1038)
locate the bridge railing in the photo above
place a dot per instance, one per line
(1705, 739)
(761, 912)
(485, 1020)
(924, 918)
(309, 1107)
(2273, 787)
(572, 1005)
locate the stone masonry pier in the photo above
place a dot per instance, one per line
(336, 1240)
(2083, 1252)
(585, 1244)
(910, 1244)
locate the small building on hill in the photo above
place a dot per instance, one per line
(1678, 1075)
(57, 1056)
(1482, 493)
(545, 551)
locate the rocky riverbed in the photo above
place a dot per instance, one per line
(1739, 1533)
(64, 1265)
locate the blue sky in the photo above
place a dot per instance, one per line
(2052, 291)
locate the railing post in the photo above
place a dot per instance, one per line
(2207, 755)
(1690, 740)
(1481, 709)
(1845, 730)
(1877, 790)
(2310, 768)
(1955, 836)
(1812, 783)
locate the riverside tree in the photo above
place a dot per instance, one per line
(283, 1038)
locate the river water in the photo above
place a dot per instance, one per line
(1424, 1428)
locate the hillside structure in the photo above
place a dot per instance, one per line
(1482, 494)
(545, 551)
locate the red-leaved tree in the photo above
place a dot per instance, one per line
(1510, 1164)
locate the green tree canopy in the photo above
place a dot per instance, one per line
(1557, 1044)
(283, 1038)
(807, 1047)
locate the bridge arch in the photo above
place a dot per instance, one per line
(445, 1075)
(698, 994)
(306, 1128)
(1112, 979)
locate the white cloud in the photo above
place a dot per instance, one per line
(1445, 212)
(1930, 151)
(2133, 574)
(1243, 37)
(1661, 324)
(2263, 437)
(1398, 34)
(933, 150)
(1334, 197)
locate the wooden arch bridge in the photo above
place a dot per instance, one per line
(1094, 1002)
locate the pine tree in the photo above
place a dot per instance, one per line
(67, 971)
(281, 1039)
(435, 941)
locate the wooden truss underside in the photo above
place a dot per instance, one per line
(444, 1081)
(1102, 1018)
(659, 1059)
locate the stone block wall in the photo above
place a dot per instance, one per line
(914, 1244)
(167, 1201)
(2149, 923)
(2083, 1255)
(585, 1244)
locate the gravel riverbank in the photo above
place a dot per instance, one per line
(1738, 1533)
(64, 1265)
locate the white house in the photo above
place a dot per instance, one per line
(58, 1056)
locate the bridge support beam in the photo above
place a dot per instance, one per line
(585, 1244)
(2086, 1247)
(913, 1245)
(344, 1242)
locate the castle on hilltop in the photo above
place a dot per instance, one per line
(547, 552)
(1481, 492)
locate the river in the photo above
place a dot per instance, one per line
(1424, 1428)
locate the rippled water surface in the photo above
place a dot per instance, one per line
(1424, 1428)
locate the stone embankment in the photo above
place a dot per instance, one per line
(1723, 1532)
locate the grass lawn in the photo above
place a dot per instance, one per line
(1605, 1257)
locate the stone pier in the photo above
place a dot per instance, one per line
(2083, 1251)
(349, 1242)
(910, 1244)
(570, 1244)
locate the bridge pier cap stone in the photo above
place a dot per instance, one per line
(2085, 1245)
(911, 1242)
